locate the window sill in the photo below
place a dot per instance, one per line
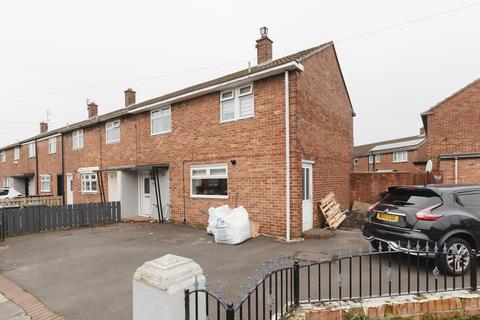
(208, 197)
(159, 133)
(113, 142)
(50, 153)
(400, 161)
(75, 149)
(89, 192)
(237, 119)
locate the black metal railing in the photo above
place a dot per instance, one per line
(286, 284)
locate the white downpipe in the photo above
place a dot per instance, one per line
(287, 157)
(456, 170)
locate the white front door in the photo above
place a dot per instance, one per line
(307, 202)
(113, 187)
(69, 189)
(145, 194)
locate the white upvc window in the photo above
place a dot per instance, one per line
(237, 103)
(31, 150)
(89, 182)
(52, 145)
(45, 183)
(113, 131)
(161, 121)
(8, 182)
(77, 137)
(3, 156)
(400, 156)
(355, 161)
(209, 181)
(377, 158)
(16, 153)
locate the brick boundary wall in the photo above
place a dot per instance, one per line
(31, 305)
(449, 305)
(367, 186)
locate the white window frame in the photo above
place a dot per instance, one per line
(46, 178)
(377, 158)
(109, 126)
(396, 156)
(77, 137)
(3, 156)
(8, 182)
(236, 102)
(355, 161)
(208, 175)
(16, 153)
(32, 152)
(160, 116)
(88, 177)
(52, 145)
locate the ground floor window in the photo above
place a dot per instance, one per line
(45, 183)
(209, 181)
(8, 182)
(89, 183)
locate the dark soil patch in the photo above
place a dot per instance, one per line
(354, 220)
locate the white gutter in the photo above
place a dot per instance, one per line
(287, 157)
(291, 65)
(456, 170)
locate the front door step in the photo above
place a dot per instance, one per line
(318, 233)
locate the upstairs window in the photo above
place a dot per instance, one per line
(52, 145)
(77, 139)
(400, 156)
(113, 131)
(31, 150)
(161, 121)
(3, 156)
(45, 183)
(355, 161)
(237, 103)
(377, 158)
(209, 181)
(89, 183)
(16, 153)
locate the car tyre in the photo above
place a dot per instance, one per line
(451, 264)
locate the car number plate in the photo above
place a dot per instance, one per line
(387, 217)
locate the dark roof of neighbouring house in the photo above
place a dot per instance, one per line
(365, 149)
(298, 57)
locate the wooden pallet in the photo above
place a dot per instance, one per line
(330, 209)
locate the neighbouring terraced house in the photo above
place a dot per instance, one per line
(275, 138)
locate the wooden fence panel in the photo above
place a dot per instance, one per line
(43, 218)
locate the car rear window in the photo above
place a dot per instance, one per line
(469, 200)
(418, 198)
(3, 192)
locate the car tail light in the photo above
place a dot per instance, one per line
(372, 207)
(427, 215)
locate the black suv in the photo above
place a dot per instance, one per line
(442, 215)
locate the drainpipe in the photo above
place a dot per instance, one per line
(287, 157)
(37, 180)
(456, 170)
(64, 191)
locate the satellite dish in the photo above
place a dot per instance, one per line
(429, 166)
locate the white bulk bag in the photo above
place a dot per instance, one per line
(229, 226)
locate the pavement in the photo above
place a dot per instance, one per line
(9, 310)
(87, 273)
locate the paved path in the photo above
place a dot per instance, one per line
(87, 273)
(16, 304)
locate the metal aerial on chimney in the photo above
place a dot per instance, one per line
(264, 31)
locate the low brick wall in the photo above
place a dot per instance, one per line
(430, 306)
(367, 186)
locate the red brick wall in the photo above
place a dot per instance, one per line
(325, 131)
(49, 164)
(453, 128)
(468, 170)
(386, 162)
(367, 186)
(18, 167)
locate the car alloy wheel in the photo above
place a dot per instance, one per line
(458, 258)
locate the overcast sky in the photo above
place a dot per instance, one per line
(56, 54)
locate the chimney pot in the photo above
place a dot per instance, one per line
(43, 127)
(129, 97)
(264, 47)
(92, 110)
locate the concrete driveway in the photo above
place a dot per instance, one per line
(87, 273)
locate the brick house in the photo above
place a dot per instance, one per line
(453, 136)
(403, 154)
(275, 138)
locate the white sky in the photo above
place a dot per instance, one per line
(56, 54)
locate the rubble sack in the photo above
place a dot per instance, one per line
(229, 226)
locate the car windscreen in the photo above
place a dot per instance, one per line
(417, 198)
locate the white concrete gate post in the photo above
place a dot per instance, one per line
(158, 288)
